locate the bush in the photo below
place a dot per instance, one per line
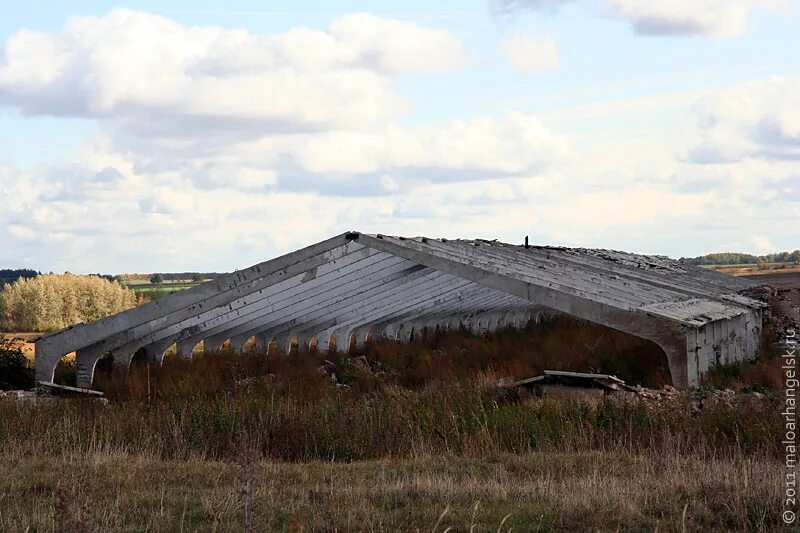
(53, 301)
(15, 369)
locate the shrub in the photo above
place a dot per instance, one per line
(15, 369)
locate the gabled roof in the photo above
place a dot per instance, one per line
(359, 282)
(652, 284)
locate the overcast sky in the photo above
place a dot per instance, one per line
(178, 135)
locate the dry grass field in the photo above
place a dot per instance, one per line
(409, 437)
(757, 270)
(533, 491)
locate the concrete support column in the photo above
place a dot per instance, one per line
(418, 329)
(155, 352)
(212, 345)
(404, 333)
(303, 340)
(122, 357)
(347, 335)
(184, 348)
(85, 362)
(391, 331)
(511, 319)
(238, 342)
(324, 340)
(494, 322)
(471, 324)
(361, 338)
(262, 342)
(47, 359)
(430, 328)
(283, 341)
(524, 317)
(342, 336)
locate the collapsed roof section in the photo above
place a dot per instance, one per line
(357, 285)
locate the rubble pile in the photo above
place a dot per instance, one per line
(34, 396)
(783, 311)
(577, 386)
(346, 369)
(668, 398)
(49, 392)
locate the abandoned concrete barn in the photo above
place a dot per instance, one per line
(354, 285)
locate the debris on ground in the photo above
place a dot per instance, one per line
(65, 390)
(783, 311)
(24, 396)
(347, 369)
(46, 392)
(593, 388)
(604, 382)
(589, 388)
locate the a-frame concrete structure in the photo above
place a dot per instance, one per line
(358, 285)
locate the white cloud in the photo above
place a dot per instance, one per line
(397, 46)
(21, 232)
(706, 17)
(508, 144)
(723, 18)
(166, 201)
(754, 119)
(303, 109)
(159, 76)
(165, 222)
(201, 164)
(528, 54)
(763, 244)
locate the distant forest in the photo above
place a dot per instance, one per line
(8, 275)
(171, 276)
(730, 258)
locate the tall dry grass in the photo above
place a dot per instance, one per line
(391, 442)
(435, 395)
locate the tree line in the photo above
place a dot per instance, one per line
(10, 275)
(730, 258)
(50, 302)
